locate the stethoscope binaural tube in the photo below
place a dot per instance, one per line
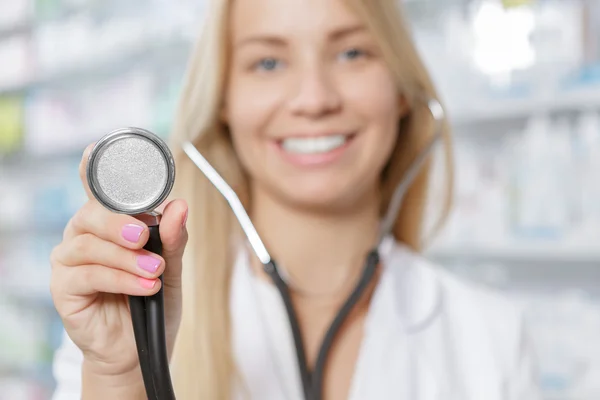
(131, 171)
(312, 382)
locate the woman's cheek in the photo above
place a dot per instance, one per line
(374, 93)
(252, 104)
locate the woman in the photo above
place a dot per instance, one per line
(310, 109)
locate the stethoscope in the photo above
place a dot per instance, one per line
(132, 171)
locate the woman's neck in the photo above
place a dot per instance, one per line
(321, 252)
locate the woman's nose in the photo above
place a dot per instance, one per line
(316, 94)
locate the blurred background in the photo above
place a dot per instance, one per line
(521, 81)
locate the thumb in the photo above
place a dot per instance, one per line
(173, 235)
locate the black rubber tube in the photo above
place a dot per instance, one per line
(155, 320)
(137, 307)
(271, 270)
(342, 315)
(312, 383)
(148, 320)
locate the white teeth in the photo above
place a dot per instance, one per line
(313, 145)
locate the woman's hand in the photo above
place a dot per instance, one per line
(99, 263)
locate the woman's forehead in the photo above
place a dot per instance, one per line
(289, 17)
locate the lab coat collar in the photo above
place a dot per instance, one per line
(409, 294)
(407, 301)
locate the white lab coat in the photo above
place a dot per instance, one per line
(428, 336)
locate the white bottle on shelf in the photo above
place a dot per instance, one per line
(587, 162)
(539, 203)
(560, 166)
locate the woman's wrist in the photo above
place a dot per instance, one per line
(96, 385)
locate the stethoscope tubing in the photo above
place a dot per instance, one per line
(312, 383)
(148, 320)
(147, 313)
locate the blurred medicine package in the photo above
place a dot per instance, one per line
(11, 124)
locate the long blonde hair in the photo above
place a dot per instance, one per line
(203, 365)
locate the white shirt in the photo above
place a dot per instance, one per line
(428, 336)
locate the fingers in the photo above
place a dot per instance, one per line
(120, 229)
(88, 249)
(90, 279)
(173, 233)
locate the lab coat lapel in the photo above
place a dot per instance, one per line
(382, 369)
(405, 317)
(263, 351)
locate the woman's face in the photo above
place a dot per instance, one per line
(311, 106)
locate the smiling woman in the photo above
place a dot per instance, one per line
(313, 111)
(325, 124)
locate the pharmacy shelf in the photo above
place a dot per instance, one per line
(93, 7)
(31, 294)
(22, 371)
(38, 231)
(23, 158)
(162, 53)
(538, 254)
(29, 25)
(491, 112)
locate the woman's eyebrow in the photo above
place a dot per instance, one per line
(278, 41)
(269, 39)
(342, 32)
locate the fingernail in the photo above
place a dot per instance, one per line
(185, 217)
(132, 232)
(148, 263)
(147, 283)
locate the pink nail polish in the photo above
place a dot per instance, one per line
(148, 263)
(132, 232)
(147, 283)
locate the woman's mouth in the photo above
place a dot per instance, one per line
(314, 150)
(313, 145)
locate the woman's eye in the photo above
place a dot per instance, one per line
(352, 54)
(267, 64)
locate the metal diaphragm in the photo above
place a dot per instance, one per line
(131, 171)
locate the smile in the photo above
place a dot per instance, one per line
(314, 145)
(314, 151)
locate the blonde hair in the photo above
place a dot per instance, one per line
(203, 365)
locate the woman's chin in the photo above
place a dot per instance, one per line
(320, 199)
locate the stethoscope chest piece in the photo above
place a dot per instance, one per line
(131, 171)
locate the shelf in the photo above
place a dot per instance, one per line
(17, 370)
(531, 254)
(30, 24)
(166, 52)
(38, 373)
(33, 295)
(27, 159)
(48, 232)
(18, 29)
(518, 109)
(94, 7)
